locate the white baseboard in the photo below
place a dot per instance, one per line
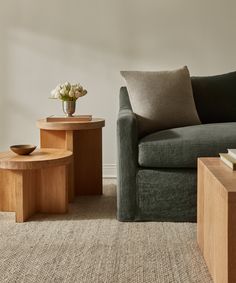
(109, 171)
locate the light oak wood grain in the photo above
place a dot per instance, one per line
(41, 186)
(95, 123)
(216, 227)
(53, 193)
(26, 188)
(7, 191)
(61, 140)
(85, 141)
(200, 204)
(48, 138)
(40, 158)
(69, 145)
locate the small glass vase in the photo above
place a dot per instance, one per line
(69, 108)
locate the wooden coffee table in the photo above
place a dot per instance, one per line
(84, 139)
(34, 183)
(216, 218)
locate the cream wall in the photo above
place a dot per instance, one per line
(45, 42)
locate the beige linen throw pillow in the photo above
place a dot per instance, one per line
(161, 100)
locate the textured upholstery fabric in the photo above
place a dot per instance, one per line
(155, 96)
(180, 147)
(166, 194)
(215, 98)
(152, 185)
(127, 143)
(156, 195)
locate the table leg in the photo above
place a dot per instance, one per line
(7, 191)
(86, 145)
(26, 186)
(53, 193)
(64, 140)
(88, 162)
(43, 190)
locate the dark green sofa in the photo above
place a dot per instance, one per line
(157, 173)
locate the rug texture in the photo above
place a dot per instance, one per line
(90, 245)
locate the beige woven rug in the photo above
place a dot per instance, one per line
(90, 245)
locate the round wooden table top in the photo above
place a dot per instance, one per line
(95, 123)
(40, 158)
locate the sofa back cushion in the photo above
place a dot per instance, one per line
(215, 98)
(161, 100)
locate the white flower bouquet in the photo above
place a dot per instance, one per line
(68, 92)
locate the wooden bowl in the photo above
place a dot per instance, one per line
(23, 149)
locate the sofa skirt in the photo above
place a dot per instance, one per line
(166, 195)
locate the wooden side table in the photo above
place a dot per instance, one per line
(34, 183)
(84, 139)
(216, 218)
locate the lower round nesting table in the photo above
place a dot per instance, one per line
(34, 183)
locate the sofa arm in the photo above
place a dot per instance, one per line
(127, 142)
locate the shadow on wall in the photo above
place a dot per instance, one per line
(101, 26)
(129, 29)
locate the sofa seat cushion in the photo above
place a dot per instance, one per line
(180, 147)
